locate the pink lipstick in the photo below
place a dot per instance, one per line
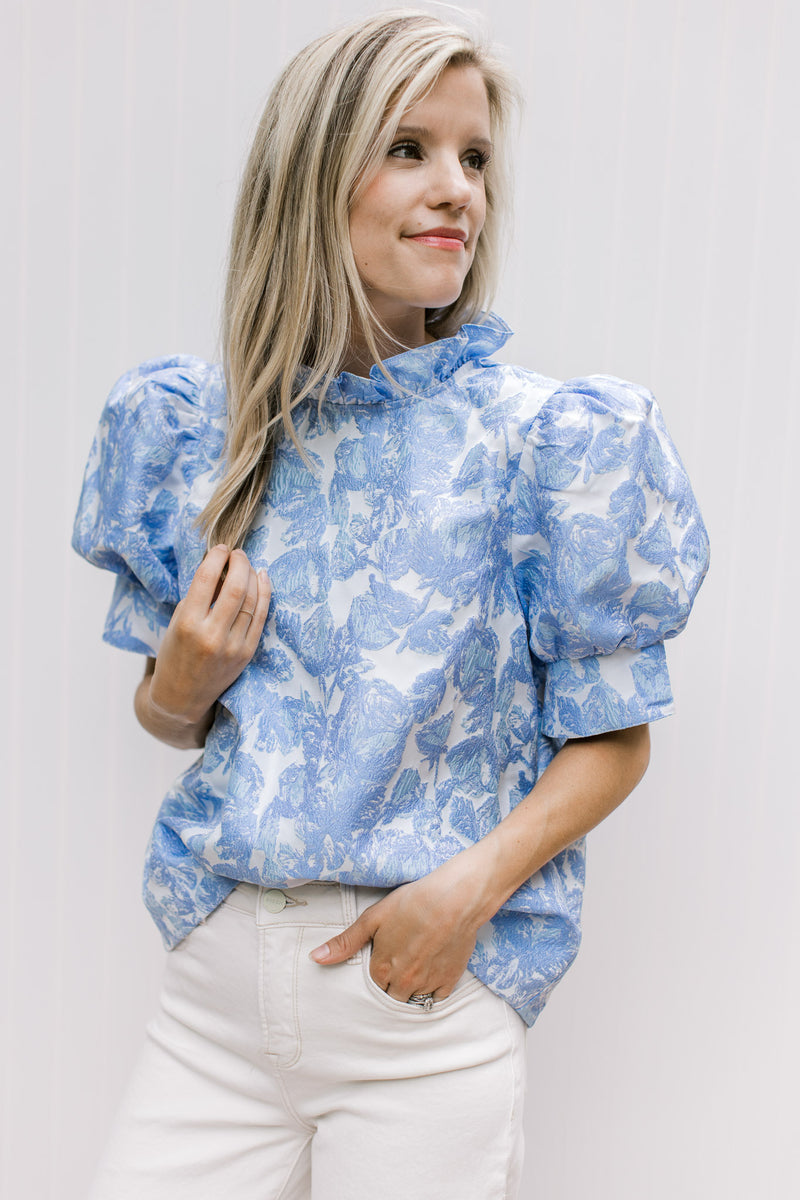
(441, 238)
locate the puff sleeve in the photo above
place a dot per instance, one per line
(609, 550)
(152, 441)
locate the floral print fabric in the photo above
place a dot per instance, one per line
(478, 563)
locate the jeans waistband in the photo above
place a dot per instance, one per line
(320, 901)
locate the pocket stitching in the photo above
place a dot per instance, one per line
(415, 1011)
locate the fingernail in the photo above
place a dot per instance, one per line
(321, 953)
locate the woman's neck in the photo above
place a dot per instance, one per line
(358, 359)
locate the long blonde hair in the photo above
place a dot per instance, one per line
(293, 294)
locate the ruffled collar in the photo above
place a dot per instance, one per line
(422, 368)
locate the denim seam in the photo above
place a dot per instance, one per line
(278, 924)
(349, 915)
(298, 1037)
(450, 1003)
(290, 1108)
(296, 1160)
(248, 912)
(262, 1008)
(513, 1115)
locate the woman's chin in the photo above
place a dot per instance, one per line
(441, 297)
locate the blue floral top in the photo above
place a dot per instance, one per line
(480, 563)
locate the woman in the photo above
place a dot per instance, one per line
(413, 611)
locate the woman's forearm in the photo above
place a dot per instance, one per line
(212, 636)
(174, 730)
(585, 782)
(424, 932)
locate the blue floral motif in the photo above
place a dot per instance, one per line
(627, 508)
(478, 563)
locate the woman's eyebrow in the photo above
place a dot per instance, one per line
(421, 131)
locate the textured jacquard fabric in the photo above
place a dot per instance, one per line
(479, 563)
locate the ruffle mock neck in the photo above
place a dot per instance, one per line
(420, 369)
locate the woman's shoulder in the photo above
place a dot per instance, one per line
(162, 413)
(159, 436)
(543, 395)
(177, 383)
(160, 430)
(537, 410)
(593, 426)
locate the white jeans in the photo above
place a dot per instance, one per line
(266, 1076)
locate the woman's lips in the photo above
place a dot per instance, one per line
(441, 243)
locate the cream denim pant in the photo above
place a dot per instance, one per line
(265, 1076)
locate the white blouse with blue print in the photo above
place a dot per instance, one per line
(479, 564)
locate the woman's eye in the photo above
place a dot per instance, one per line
(473, 160)
(477, 160)
(406, 150)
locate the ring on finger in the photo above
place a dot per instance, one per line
(423, 999)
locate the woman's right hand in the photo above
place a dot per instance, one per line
(213, 634)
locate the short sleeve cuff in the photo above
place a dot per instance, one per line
(587, 696)
(135, 620)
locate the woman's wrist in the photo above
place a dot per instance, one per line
(474, 878)
(181, 718)
(585, 782)
(182, 730)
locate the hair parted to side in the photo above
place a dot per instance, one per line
(293, 295)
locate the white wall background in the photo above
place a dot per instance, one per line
(658, 239)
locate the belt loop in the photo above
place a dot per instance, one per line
(349, 914)
(262, 916)
(349, 910)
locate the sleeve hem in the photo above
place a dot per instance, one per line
(648, 714)
(135, 621)
(128, 642)
(601, 693)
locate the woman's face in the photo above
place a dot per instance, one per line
(415, 226)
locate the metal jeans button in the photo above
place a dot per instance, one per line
(274, 901)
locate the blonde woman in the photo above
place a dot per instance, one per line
(410, 604)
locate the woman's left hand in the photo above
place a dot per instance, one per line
(422, 933)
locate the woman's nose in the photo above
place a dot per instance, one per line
(448, 183)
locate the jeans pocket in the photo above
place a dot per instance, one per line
(465, 987)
